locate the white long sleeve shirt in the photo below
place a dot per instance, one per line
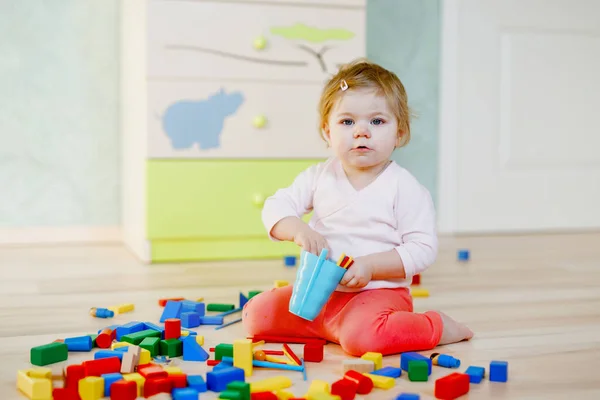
(393, 212)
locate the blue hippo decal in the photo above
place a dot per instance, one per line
(201, 121)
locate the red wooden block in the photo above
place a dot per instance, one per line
(101, 366)
(313, 352)
(153, 372)
(178, 380)
(123, 390)
(452, 386)
(172, 328)
(74, 374)
(416, 280)
(365, 384)
(287, 339)
(157, 385)
(263, 396)
(163, 302)
(105, 338)
(65, 394)
(345, 388)
(212, 363)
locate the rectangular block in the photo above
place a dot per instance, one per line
(152, 344)
(137, 337)
(405, 358)
(498, 371)
(49, 354)
(109, 379)
(476, 374)
(107, 354)
(391, 372)
(129, 328)
(377, 359)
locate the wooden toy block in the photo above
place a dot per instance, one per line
(365, 384)
(313, 352)
(476, 374)
(211, 320)
(381, 382)
(125, 307)
(155, 327)
(65, 394)
(219, 307)
(91, 388)
(157, 385)
(79, 343)
(185, 394)
(408, 396)
(323, 396)
(34, 388)
(124, 390)
(40, 373)
(152, 344)
(163, 302)
(74, 373)
(317, 386)
(264, 396)
(377, 359)
(94, 337)
(99, 312)
(197, 382)
(101, 366)
(392, 372)
(128, 363)
(498, 371)
(145, 357)
(152, 371)
(417, 371)
(414, 292)
(279, 284)
(49, 354)
(217, 381)
(138, 379)
(172, 310)
(242, 355)
(109, 379)
(128, 328)
(137, 337)
(108, 353)
(345, 388)
(253, 293)
(444, 360)
(118, 345)
(284, 395)
(288, 339)
(173, 370)
(230, 395)
(192, 351)
(193, 306)
(242, 388)
(289, 261)
(359, 365)
(105, 338)
(452, 386)
(200, 340)
(190, 319)
(178, 380)
(416, 280)
(463, 255)
(405, 358)
(271, 384)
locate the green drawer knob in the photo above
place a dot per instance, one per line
(260, 43)
(259, 121)
(258, 200)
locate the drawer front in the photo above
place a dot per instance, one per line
(234, 120)
(213, 199)
(230, 40)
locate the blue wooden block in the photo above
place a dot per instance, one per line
(185, 394)
(212, 320)
(193, 306)
(190, 319)
(192, 351)
(392, 372)
(172, 310)
(197, 382)
(217, 381)
(128, 328)
(290, 261)
(243, 299)
(109, 379)
(476, 374)
(79, 343)
(408, 396)
(122, 349)
(411, 356)
(463, 255)
(222, 365)
(498, 371)
(107, 354)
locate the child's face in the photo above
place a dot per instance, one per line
(361, 129)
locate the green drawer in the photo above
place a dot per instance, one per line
(212, 199)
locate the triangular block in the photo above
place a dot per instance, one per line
(192, 351)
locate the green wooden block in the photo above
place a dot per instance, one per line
(219, 307)
(137, 337)
(171, 348)
(223, 350)
(94, 340)
(240, 387)
(152, 344)
(253, 293)
(230, 395)
(418, 371)
(49, 354)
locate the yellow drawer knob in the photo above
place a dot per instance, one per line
(258, 199)
(259, 121)
(260, 43)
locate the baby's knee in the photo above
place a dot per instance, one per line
(357, 342)
(258, 312)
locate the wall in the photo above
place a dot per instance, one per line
(404, 36)
(59, 142)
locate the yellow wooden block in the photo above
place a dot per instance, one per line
(173, 370)
(317, 387)
(199, 299)
(418, 292)
(284, 395)
(138, 379)
(377, 359)
(144, 357)
(116, 345)
(184, 333)
(381, 382)
(91, 388)
(271, 384)
(242, 355)
(200, 340)
(279, 284)
(41, 373)
(34, 388)
(322, 396)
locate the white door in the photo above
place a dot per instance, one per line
(520, 130)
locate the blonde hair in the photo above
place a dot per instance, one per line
(363, 73)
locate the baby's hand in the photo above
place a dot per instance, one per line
(358, 275)
(311, 241)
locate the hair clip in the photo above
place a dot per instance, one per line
(344, 85)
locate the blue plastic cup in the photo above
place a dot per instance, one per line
(316, 280)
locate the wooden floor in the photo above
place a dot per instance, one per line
(533, 301)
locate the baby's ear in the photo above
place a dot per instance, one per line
(325, 132)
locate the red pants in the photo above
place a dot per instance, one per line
(379, 320)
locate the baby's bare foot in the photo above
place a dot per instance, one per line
(453, 331)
